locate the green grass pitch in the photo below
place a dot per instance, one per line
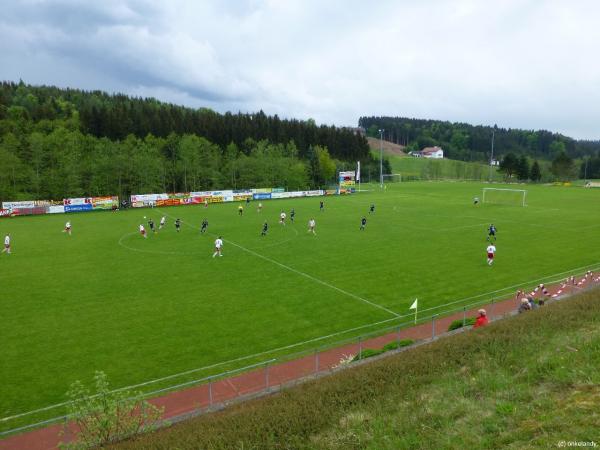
(139, 309)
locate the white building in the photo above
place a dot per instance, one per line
(432, 152)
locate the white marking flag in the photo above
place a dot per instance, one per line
(415, 307)
(357, 171)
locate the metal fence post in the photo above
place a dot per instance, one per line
(398, 336)
(464, 316)
(492, 310)
(67, 430)
(433, 326)
(267, 376)
(359, 347)
(210, 393)
(316, 361)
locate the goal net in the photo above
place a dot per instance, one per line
(392, 178)
(516, 197)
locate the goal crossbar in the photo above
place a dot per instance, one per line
(522, 193)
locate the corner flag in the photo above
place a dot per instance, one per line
(358, 171)
(415, 307)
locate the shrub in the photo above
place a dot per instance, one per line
(106, 416)
(368, 353)
(397, 344)
(459, 323)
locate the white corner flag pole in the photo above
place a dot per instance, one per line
(415, 307)
(358, 174)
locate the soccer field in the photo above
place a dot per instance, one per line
(140, 309)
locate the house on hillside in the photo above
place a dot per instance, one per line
(429, 152)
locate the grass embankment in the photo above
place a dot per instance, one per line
(436, 169)
(526, 382)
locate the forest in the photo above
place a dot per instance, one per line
(466, 142)
(57, 143)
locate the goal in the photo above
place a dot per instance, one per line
(499, 196)
(392, 178)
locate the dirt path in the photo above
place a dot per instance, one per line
(255, 382)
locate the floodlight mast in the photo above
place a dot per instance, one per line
(492, 157)
(381, 157)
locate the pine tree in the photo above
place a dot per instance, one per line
(535, 173)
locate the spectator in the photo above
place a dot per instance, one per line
(532, 303)
(525, 306)
(481, 319)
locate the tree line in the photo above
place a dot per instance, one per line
(49, 151)
(117, 116)
(473, 143)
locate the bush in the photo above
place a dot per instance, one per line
(397, 344)
(106, 416)
(459, 323)
(367, 353)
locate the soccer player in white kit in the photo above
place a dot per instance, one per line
(311, 226)
(67, 228)
(143, 231)
(218, 247)
(491, 250)
(6, 244)
(163, 220)
(282, 217)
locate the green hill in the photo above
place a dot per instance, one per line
(525, 382)
(438, 169)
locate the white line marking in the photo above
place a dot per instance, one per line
(212, 366)
(160, 252)
(316, 280)
(303, 274)
(297, 344)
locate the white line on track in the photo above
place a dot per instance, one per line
(302, 274)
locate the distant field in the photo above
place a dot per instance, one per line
(106, 299)
(435, 169)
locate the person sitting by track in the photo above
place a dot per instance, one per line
(481, 320)
(524, 306)
(532, 303)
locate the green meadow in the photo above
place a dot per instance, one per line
(141, 309)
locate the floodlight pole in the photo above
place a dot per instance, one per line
(492, 157)
(381, 158)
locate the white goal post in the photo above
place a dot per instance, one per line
(392, 178)
(505, 196)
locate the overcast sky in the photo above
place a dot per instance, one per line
(518, 63)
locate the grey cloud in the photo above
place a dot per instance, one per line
(521, 64)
